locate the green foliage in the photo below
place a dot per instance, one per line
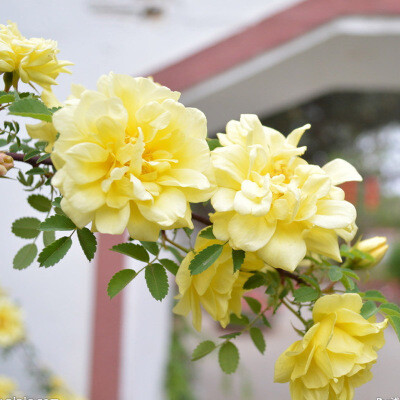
(26, 228)
(157, 281)
(151, 247)
(54, 252)
(88, 242)
(213, 143)
(369, 309)
(207, 233)
(25, 256)
(254, 304)
(335, 273)
(254, 282)
(228, 357)
(203, 349)
(32, 108)
(120, 280)
(169, 265)
(374, 295)
(238, 259)
(205, 258)
(132, 250)
(305, 294)
(57, 223)
(39, 202)
(48, 237)
(258, 339)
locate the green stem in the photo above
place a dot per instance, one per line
(178, 246)
(293, 311)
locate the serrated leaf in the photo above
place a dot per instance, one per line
(207, 233)
(151, 247)
(235, 320)
(374, 295)
(350, 273)
(238, 259)
(254, 304)
(57, 202)
(32, 108)
(265, 321)
(305, 294)
(335, 274)
(310, 280)
(25, 256)
(43, 157)
(258, 339)
(88, 242)
(254, 282)
(57, 223)
(39, 202)
(6, 97)
(170, 265)
(35, 171)
(390, 309)
(228, 357)
(3, 142)
(31, 154)
(368, 309)
(54, 252)
(348, 283)
(203, 349)
(395, 322)
(231, 335)
(48, 237)
(119, 281)
(26, 228)
(205, 258)
(132, 250)
(157, 281)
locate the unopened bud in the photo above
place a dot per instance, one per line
(375, 247)
(6, 163)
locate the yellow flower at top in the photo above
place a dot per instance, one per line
(31, 60)
(217, 289)
(7, 387)
(272, 202)
(12, 328)
(336, 354)
(131, 156)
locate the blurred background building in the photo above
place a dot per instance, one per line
(334, 64)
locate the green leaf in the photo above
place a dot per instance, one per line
(157, 281)
(176, 253)
(170, 265)
(203, 349)
(305, 293)
(235, 320)
(228, 357)
(43, 157)
(350, 273)
(254, 304)
(26, 228)
(238, 259)
(265, 321)
(48, 237)
(151, 247)
(35, 171)
(205, 258)
(119, 281)
(132, 250)
(25, 256)
(213, 143)
(3, 142)
(395, 322)
(254, 282)
(88, 242)
(335, 274)
(207, 233)
(310, 280)
(368, 309)
(57, 223)
(374, 295)
(30, 107)
(348, 283)
(258, 339)
(31, 154)
(390, 309)
(6, 97)
(231, 335)
(39, 202)
(55, 252)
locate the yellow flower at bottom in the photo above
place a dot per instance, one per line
(218, 290)
(11, 324)
(336, 354)
(7, 387)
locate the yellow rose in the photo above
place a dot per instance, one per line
(31, 60)
(336, 354)
(218, 290)
(272, 202)
(63, 395)
(11, 323)
(45, 131)
(7, 387)
(376, 247)
(131, 156)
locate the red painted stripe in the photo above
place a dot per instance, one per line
(266, 35)
(107, 327)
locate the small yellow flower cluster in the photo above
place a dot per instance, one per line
(336, 354)
(31, 60)
(59, 391)
(6, 163)
(12, 330)
(7, 387)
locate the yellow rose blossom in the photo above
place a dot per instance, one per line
(131, 156)
(7, 387)
(11, 323)
(272, 202)
(31, 60)
(376, 247)
(218, 290)
(45, 131)
(336, 354)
